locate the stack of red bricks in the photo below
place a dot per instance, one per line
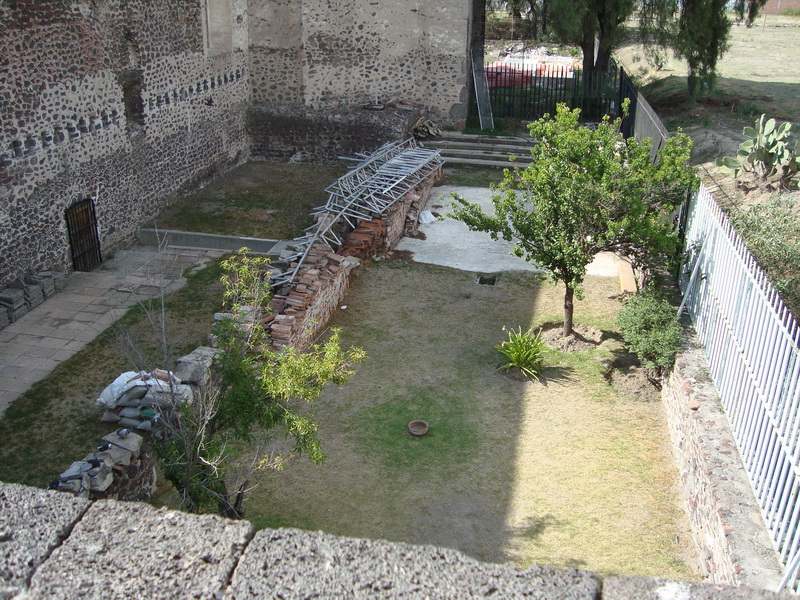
(319, 285)
(365, 240)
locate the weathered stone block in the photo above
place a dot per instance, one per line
(32, 523)
(132, 550)
(289, 564)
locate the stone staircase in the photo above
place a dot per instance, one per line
(481, 150)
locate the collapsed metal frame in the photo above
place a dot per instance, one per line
(377, 182)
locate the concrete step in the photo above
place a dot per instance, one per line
(446, 145)
(479, 162)
(485, 155)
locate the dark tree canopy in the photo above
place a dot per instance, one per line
(696, 30)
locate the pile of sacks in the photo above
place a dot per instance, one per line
(136, 400)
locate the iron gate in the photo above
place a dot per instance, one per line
(84, 240)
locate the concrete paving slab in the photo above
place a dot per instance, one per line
(293, 564)
(449, 243)
(132, 550)
(32, 523)
(65, 323)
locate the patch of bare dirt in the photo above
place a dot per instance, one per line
(583, 338)
(630, 380)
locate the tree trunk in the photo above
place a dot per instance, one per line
(569, 294)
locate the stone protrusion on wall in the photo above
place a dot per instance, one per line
(55, 545)
(727, 530)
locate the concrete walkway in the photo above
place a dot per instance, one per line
(56, 330)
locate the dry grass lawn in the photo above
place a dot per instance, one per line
(561, 471)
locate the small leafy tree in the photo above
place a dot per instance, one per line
(586, 191)
(256, 389)
(651, 330)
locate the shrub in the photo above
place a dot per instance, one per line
(772, 233)
(523, 351)
(651, 330)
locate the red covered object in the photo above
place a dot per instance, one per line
(502, 75)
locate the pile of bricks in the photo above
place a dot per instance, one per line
(365, 240)
(303, 310)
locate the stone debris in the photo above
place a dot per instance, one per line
(14, 301)
(120, 467)
(21, 296)
(32, 293)
(45, 281)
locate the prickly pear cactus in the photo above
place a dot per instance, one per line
(768, 154)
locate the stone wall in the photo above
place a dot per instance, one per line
(55, 545)
(116, 100)
(325, 53)
(303, 134)
(727, 529)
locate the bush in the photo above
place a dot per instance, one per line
(523, 351)
(772, 233)
(651, 330)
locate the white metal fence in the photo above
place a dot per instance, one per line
(751, 341)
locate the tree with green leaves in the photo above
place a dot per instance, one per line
(586, 191)
(696, 30)
(254, 389)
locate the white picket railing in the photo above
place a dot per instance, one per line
(751, 341)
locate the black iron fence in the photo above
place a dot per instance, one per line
(525, 92)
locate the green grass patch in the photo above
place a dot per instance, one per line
(57, 422)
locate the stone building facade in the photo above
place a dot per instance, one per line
(127, 103)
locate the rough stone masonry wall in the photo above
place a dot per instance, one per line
(56, 545)
(727, 528)
(325, 53)
(303, 134)
(71, 132)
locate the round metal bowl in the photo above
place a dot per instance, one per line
(417, 428)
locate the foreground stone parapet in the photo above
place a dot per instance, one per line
(32, 523)
(132, 550)
(291, 564)
(52, 546)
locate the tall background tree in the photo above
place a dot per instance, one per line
(587, 191)
(696, 30)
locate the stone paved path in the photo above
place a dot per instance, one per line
(51, 333)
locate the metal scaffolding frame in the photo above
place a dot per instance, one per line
(372, 186)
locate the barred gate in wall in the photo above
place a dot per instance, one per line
(84, 239)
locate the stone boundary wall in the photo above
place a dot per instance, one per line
(55, 545)
(727, 528)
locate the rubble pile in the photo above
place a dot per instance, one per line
(122, 466)
(21, 296)
(136, 400)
